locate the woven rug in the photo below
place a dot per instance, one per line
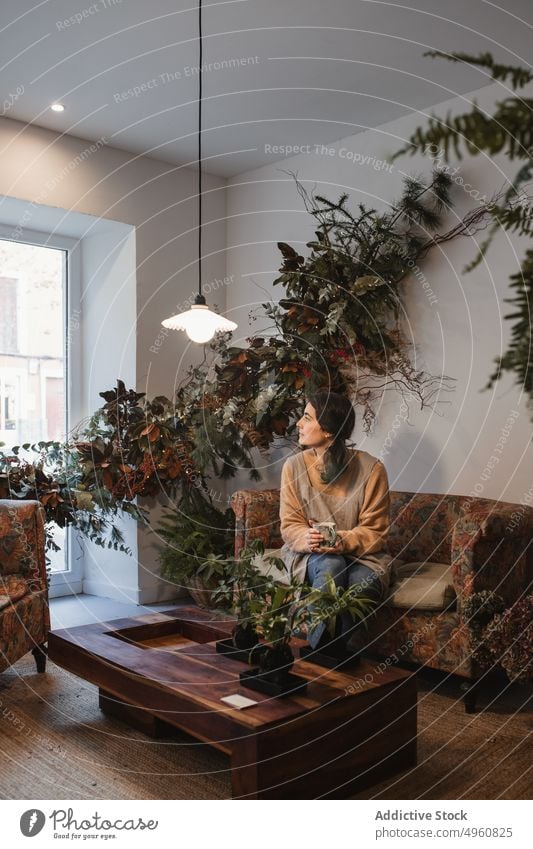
(56, 744)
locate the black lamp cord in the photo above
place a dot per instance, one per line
(200, 88)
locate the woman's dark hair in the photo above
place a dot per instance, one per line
(335, 415)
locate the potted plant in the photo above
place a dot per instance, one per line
(242, 587)
(276, 619)
(325, 606)
(198, 540)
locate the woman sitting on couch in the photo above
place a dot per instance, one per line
(329, 482)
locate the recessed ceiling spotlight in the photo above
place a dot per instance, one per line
(57, 107)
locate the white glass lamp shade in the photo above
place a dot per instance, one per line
(199, 323)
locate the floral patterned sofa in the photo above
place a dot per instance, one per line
(24, 614)
(454, 544)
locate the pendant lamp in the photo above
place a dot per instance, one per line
(199, 323)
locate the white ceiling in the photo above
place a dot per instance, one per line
(325, 69)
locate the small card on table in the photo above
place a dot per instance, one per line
(237, 701)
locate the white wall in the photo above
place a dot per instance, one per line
(108, 345)
(121, 325)
(108, 305)
(457, 332)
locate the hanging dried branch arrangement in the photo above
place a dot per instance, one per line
(337, 325)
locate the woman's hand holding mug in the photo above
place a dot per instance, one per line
(315, 540)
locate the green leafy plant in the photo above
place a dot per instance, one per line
(198, 539)
(49, 472)
(244, 583)
(326, 605)
(510, 131)
(276, 619)
(130, 447)
(282, 614)
(242, 587)
(296, 604)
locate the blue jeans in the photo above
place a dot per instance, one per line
(346, 572)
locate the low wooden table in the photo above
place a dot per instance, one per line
(349, 729)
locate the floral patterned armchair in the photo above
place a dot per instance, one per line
(24, 614)
(482, 545)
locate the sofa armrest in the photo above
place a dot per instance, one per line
(22, 542)
(492, 549)
(256, 517)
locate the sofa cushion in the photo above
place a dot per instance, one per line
(416, 585)
(422, 586)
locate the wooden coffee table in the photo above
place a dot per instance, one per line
(348, 730)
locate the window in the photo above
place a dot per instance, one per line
(32, 343)
(34, 290)
(8, 316)
(11, 396)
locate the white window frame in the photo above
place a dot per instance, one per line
(21, 375)
(69, 581)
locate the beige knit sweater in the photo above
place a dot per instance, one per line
(358, 502)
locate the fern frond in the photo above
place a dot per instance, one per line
(510, 130)
(518, 358)
(517, 219)
(519, 76)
